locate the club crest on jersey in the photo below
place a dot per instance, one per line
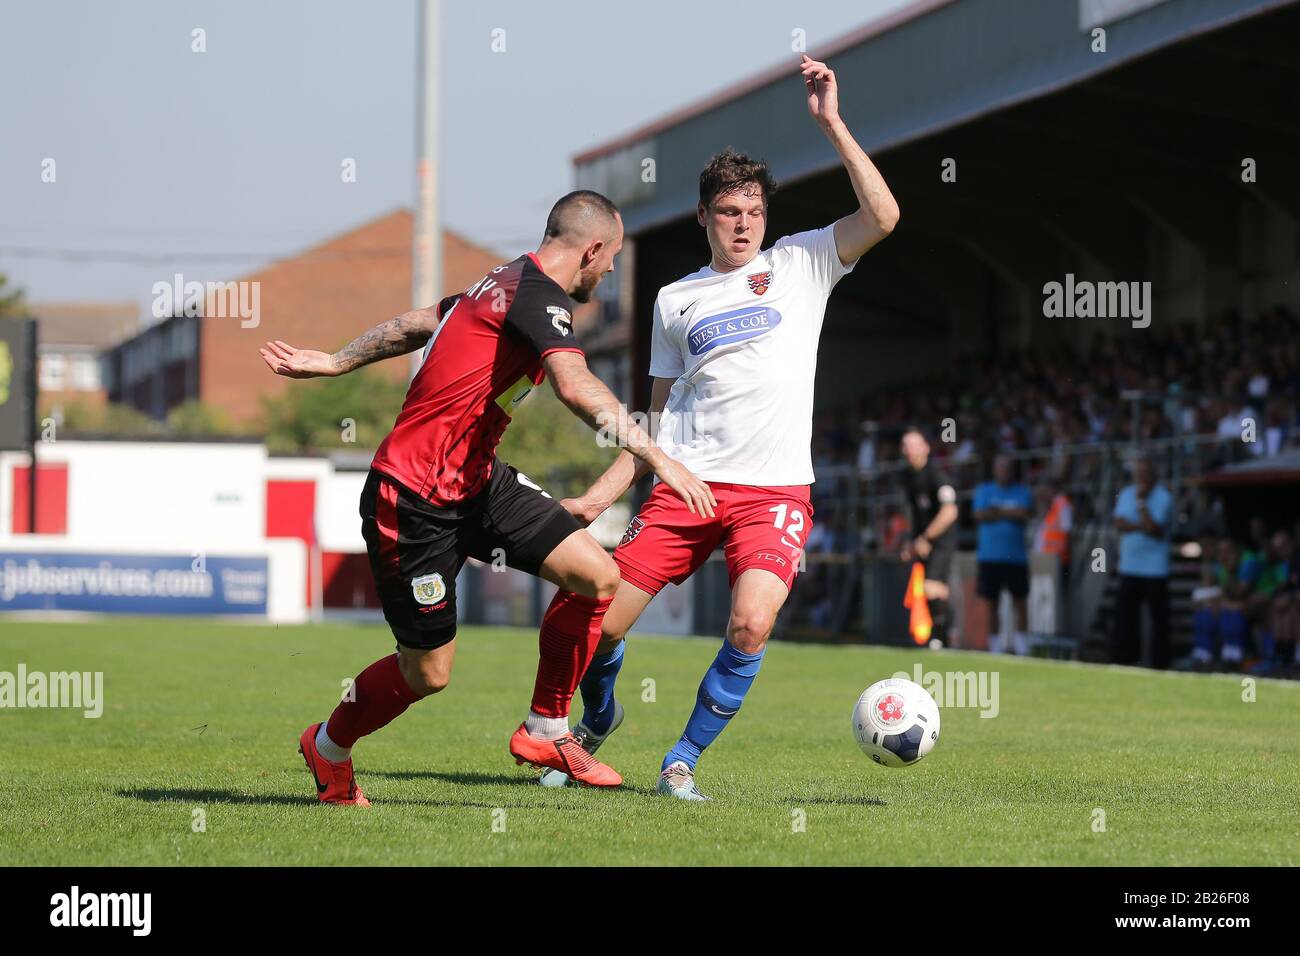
(730, 327)
(428, 588)
(759, 281)
(633, 529)
(561, 319)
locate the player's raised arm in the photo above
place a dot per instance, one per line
(592, 401)
(877, 209)
(398, 336)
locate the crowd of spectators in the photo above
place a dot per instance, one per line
(1246, 610)
(1215, 395)
(1232, 390)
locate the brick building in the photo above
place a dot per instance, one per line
(321, 298)
(71, 337)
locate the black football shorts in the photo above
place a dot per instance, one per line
(938, 566)
(994, 577)
(417, 549)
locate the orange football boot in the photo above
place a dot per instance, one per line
(335, 782)
(564, 754)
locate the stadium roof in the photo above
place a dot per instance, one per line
(979, 57)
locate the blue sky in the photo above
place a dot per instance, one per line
(168, 160)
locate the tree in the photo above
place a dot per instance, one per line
(80, 417)
(552, 446)
(190, 420)
(354, 410)
(12, 303)
(196, 419)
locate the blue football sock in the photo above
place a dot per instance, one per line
(721, 692)
(1203, 631)
(598, 689)
(1233, 628)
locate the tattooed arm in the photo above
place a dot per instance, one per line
(588, 398)
(398, 336)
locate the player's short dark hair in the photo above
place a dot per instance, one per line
(575, 214)
(729, 170)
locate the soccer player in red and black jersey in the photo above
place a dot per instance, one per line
(437, 494)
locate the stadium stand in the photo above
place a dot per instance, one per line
(1134, 160)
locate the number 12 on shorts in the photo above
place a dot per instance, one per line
(793, 527)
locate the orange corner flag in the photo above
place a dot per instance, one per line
(914, 599)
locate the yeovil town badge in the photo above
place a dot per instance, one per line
(428, 588)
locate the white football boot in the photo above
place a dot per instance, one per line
(589, 741)
(678, 780)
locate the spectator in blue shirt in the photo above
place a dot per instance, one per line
(1143, 514)
(1001, 509)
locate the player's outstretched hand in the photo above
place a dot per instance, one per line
(584, 510)
(697, 495)
(286, 360)
(823, 91)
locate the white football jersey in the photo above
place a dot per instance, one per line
(742, 346)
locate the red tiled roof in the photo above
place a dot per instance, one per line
(94, 324)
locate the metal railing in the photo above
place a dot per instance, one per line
(852, 506)
(1092, 473)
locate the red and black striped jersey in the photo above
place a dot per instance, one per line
(484, 358)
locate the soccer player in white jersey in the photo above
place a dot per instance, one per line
(733, 356)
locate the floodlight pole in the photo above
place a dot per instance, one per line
(426, 249)
(33, 355)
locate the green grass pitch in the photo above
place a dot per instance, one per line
(205, 715)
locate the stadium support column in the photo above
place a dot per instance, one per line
(426, 249)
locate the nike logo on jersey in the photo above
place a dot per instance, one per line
(689, 307)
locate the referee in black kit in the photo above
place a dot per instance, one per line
(932, 503)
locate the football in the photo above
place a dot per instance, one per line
(896, 722)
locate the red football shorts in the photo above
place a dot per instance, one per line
(758, 527)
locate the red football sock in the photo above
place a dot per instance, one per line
(570, 633)
(381, 694)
